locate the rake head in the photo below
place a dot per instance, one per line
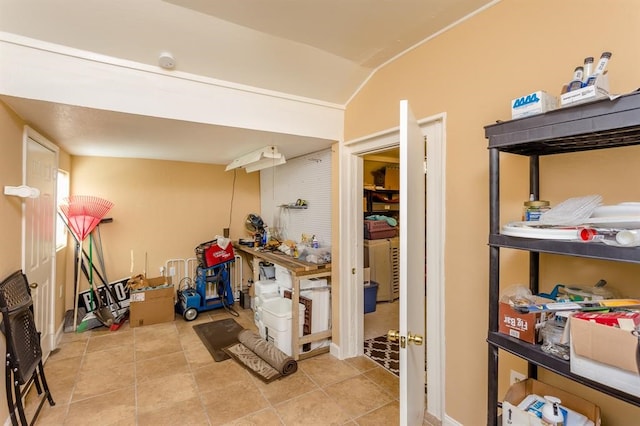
(84, 213)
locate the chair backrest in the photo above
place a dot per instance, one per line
(23, 343)
(23, 340)
(14, 292)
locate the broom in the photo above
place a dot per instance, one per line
(83, 214)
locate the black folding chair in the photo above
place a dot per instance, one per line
(24, 353)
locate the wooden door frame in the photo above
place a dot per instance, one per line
(351, 303)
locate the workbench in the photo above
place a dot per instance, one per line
(299, 269)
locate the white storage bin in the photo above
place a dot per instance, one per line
(264, 297)
(261, 329)
(265, 286)
(283, 276)
(280, 339)
(276, 314)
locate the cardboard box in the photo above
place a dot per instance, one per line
(152, 305)
(521, 326)
(605, 344)
(392, 177)
(597, 91)
(626, 320)
(616, 378)
(139, 282)
(534, 103)
(605, 354)
(514, 416)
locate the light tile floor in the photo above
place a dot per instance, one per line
(384, 318)
(163, 375)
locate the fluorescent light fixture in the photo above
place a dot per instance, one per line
(258, 160)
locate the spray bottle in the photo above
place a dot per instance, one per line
(602, 64)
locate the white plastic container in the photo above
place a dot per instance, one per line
(265, 286)
(276, 316)
(283, 276)
(262, 329)
(264, 297)
(280, 339)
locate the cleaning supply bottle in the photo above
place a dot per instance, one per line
(588, 65)
(576, 81)
(602, 64)
(551, 412)
(314, 242)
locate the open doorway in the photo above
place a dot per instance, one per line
(380, 248)
(351, 274)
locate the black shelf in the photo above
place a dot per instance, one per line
(597, 125)
(593, 250)
(591, 126)
(535, 355)
(370, 201)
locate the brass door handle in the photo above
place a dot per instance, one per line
(415, 339)
(33, 285)
(394, 336)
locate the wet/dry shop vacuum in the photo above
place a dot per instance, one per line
(212, 289)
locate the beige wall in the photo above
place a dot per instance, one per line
(162, 209)
(11, 134)
(10, 207)
(471, 72)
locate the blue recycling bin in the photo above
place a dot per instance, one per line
(370, 295)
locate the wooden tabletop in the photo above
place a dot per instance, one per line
(296, 266)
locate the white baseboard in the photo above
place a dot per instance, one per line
(448, 421)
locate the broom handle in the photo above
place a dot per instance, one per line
(75, 289)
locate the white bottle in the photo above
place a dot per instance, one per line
(588, 66)
(602, 64)
(576, 81)
(551, 412)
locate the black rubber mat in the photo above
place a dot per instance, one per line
(217, 335)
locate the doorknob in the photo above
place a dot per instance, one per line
(394, 336)
(415, 339)
(33, 285)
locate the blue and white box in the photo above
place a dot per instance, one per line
(534, 103)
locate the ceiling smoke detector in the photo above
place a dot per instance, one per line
(166, 61)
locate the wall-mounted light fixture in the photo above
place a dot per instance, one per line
(258, 160)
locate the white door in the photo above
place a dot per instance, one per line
(412, 268)
(40, 168)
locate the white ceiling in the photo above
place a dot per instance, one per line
(323, 50)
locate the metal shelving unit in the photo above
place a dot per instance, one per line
(598, 125)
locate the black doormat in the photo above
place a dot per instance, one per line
(384, 352)
(217, 335)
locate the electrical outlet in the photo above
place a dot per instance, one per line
(516, 377)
